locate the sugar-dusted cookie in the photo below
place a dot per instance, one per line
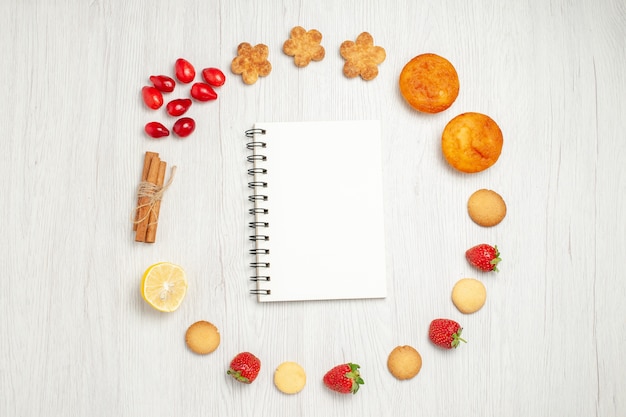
(471, 142)
(362, 57)
(251, 62)
(469, 295)
(429, 83)
(202, 337)
(289, 377)
(304, 46)
(486, 208)
(404, 362)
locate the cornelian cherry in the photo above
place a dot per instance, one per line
(214, 77)
(184, 126)
(178, 107)
(163, 83)
(203, 92)
(156, 130)
(152, 97)
(185, 72)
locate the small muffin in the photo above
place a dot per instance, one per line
(429, 83)
(469, 295)
(289, 378)
(486, 208)
(202, 337)
(471, 142)
(404, 362)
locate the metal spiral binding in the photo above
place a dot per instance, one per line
(260, 278)
(255, 184)
(259, 251)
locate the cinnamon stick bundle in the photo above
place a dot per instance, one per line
(149, 198)
(153, 220)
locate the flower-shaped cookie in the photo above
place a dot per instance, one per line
(304, 46)
(251, 62)
(362, 57)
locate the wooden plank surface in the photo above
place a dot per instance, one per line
(77, 339)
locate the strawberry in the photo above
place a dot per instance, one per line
(445, 333)
(244, 367)
(484, 257)
(344, 378)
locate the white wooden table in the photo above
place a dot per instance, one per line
(77, 339)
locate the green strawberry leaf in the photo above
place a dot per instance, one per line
(456, 339)
(495, 261)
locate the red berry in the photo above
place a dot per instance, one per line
(185, 72)
(178, 107)
(344, 378)
(445, 333)
(184, 126)
(203, 92)
(152, 97)
(156, 130)
(163, 83)
(484, 257)
(214, 77)
(244, 367)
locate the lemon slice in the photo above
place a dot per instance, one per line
(164, 286)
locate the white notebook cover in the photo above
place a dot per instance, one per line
(325, 219)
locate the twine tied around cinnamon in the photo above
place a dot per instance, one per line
(154, 194)
(150, 193)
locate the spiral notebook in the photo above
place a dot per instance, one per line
(316, 215)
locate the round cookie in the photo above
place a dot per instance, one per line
(289, 378)
(404, 362)
(471, 142)
(486, 208)
(202, 337)
(469, 295)
(429, 83)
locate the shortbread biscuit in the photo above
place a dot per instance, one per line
(469, 295)
(486, 208)
(471, 142)
(251, 62)
(404, 362)
(202, 337)
(429, 83)
(362, 57)
(289, 378)
(304, 46)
